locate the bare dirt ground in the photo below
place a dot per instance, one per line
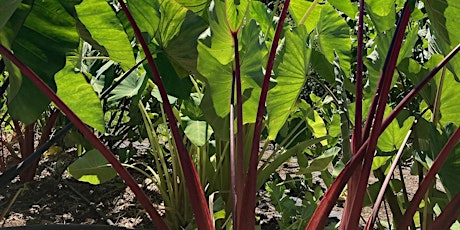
(56, 198)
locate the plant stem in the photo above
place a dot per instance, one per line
(428, 179)
(198, 201)
(124, 174)
(247, 215)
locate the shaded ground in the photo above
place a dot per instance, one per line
(56, 198)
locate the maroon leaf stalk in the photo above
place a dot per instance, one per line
(448, 216)
(124, 174)
(247, 214)
(332, 194)
(379, 102)
(356, 139)
(192, 181)
(238, 165)
(428, 179)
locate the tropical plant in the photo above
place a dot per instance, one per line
(211, 63)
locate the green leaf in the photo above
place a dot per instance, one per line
(107, 30)
(332, 34)
(298, 8)
(92, 168)
(7, 8)
(393, 136)
(290, 77)
(174, 84)
(449, 95)
(444, 17)
(197, 6)
(146, 14)
(182, 48)
(265, 173)
(73, 89)
(198, 132)
(346, 7)
(317, 126)
(42, 43)
(382, 14)
(219, 76)
(322, 162)
(129, 87)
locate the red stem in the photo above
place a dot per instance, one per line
(448, 216)
(356, 139)
(124, 174)
(382, 95)
(247, 215)
(192, 181)
(428, 179)
(239, 142)
(332, 194)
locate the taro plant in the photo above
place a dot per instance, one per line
(237, 68)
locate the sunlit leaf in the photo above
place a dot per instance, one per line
(332, 35)
(291, 76)
(107, 30)
(42, 43)
(73, 89)
(198, 132)
(444, 17)
(92, 168)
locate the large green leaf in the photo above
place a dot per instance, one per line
(92, 168)
(346, 7)
(393, 136)
(198, 132)
(197, 6)
(107, 30)
(146, 14)
(73, 89)
(182, 48)
(332, 34)
(317, 125)
(382, 14)
(7, 8)
(219, 76)
(444, 17)
(298, 8)
(299, 148)
(290, 77)
(322, 162)
(42, 43)
(174, 28)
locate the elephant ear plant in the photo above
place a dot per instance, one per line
(239, 67)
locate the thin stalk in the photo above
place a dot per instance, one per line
(378, 201)
(124, 174)
(247, 215)
(233, 164)
(198, 201)
(382, 98)
(332, 194)
(448, 216)
(437, 102)
(357, 132)
(308, 12)
(428, 179)
(239, 122)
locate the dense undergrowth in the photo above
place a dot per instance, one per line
(346, 88)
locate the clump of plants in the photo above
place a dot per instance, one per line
(345, 88)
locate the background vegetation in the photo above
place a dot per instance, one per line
(346, 88)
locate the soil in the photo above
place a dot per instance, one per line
(56, 198)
